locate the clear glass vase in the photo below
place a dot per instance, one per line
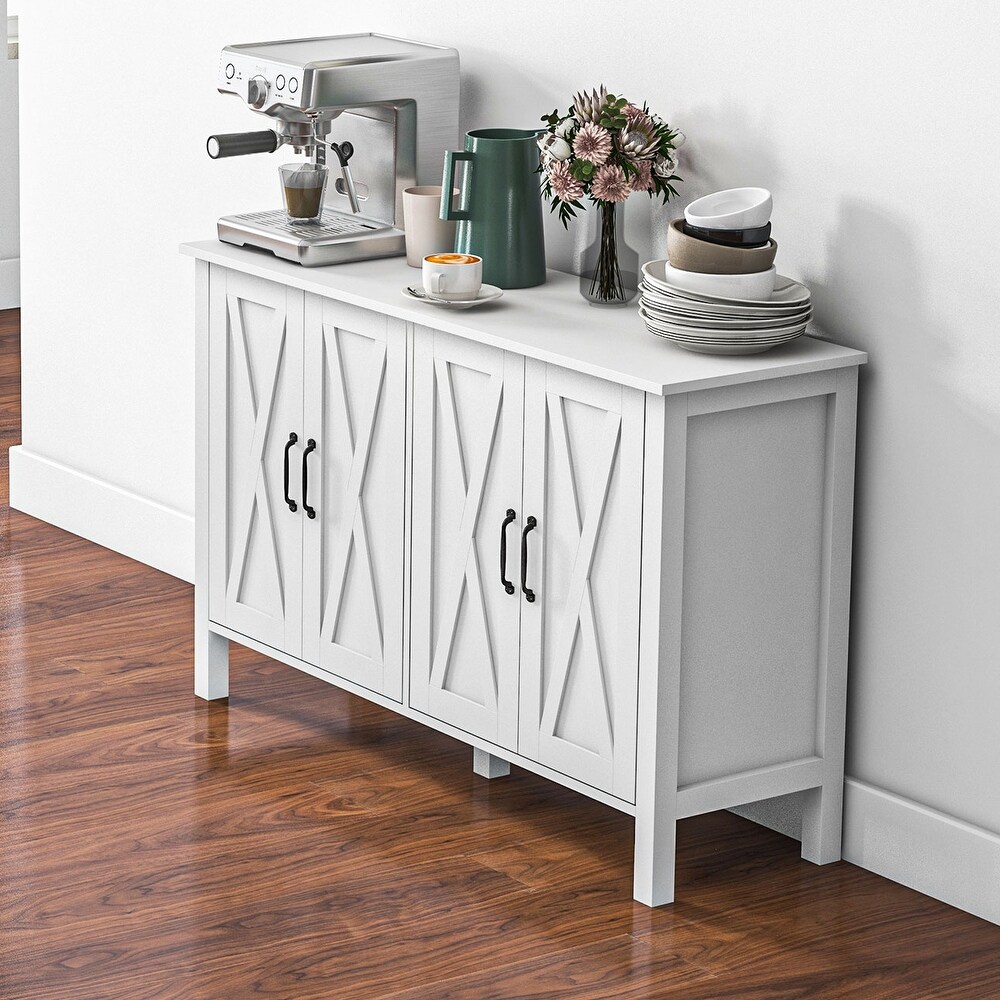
(610, 267)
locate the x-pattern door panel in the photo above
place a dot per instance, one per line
(579, 639)
(255, 571)
(466, 475)
(355, 412)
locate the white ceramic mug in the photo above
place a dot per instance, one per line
(453, 275)
(426, 231)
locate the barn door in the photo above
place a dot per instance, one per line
(255, 560)
(353, 549)
(467, 439)
(583, 446)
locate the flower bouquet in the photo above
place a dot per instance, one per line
(605, 148)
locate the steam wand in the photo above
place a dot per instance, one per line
(344, 152)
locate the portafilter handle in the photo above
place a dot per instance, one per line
(242, 143)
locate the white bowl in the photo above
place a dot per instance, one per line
(730, 286)
(736, 208)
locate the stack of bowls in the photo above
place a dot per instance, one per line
(718, 292)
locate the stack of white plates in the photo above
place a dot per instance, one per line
(714, 324)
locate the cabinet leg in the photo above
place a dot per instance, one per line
(211, 663)
(822, 823)
(488, 766)
(823, 811)
(653, 865)
(660, 650)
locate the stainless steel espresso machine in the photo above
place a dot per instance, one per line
(380, 110)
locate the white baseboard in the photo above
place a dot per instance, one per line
(108, 515)
(922, 848)
(10, 283)
(906, 842)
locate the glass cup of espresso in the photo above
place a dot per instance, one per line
(303, 186)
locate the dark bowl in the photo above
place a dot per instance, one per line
(747, 238)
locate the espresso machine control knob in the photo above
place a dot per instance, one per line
(257, 92)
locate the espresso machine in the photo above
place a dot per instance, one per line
(380, 111)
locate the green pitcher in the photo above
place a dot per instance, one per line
(500, 217)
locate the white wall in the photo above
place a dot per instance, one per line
(874, 126)
(9, 224)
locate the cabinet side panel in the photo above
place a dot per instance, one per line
(215, 428)
(754, 519)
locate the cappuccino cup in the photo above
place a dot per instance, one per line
(452, 276)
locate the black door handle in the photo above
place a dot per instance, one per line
(292, 505)
(507, 585)
(310, 447)
(529, 595)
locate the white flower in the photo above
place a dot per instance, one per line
(554, 147)
(565, 128)
(665, 166)
(679, 139)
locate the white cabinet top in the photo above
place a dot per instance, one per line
(552, 323)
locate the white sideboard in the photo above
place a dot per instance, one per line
(536, 528)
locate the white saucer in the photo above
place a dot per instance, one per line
(724, 349)
(787, 291)
(667, 300)
(705, 321)
(487, 293)
(722, 334)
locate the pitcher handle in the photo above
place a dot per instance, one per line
(448, 212)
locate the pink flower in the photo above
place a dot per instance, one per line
(592, 143)
(637, 118)
(564, 185)
(610, 184)
(643, 179)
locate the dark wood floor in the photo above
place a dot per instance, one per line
(299, 842)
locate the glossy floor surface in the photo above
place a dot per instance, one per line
(298, 842)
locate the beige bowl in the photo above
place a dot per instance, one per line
(688, 253)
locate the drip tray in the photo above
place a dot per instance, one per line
(333, 224)
(336, 239)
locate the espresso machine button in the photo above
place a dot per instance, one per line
(293, 85)
(230, 71)
(257, 92)
(280, 82)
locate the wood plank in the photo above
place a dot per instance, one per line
(615, 969)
